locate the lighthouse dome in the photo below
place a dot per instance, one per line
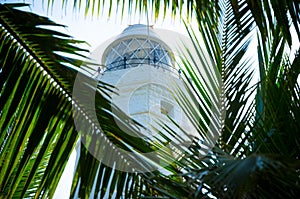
(137, 44)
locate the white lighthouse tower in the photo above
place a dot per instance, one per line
(142, 68)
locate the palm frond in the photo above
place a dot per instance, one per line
(37, 131)
(271, 132)
(278, 98)
(157, 7)
(226, 46)
(266, 14)
(256, 175)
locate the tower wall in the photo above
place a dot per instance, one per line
(145, 86)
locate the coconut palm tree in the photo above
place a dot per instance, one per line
(256, 155)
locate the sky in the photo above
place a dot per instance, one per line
(96, 30)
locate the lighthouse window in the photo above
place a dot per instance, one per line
(137, 51)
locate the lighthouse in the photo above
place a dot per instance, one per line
(142, 68)
(150, 89)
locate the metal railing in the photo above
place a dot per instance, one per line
(135, 62)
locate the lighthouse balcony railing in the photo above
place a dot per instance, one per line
(135, 62)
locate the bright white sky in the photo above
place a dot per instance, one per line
(96, 30)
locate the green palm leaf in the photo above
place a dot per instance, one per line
(37, 131)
